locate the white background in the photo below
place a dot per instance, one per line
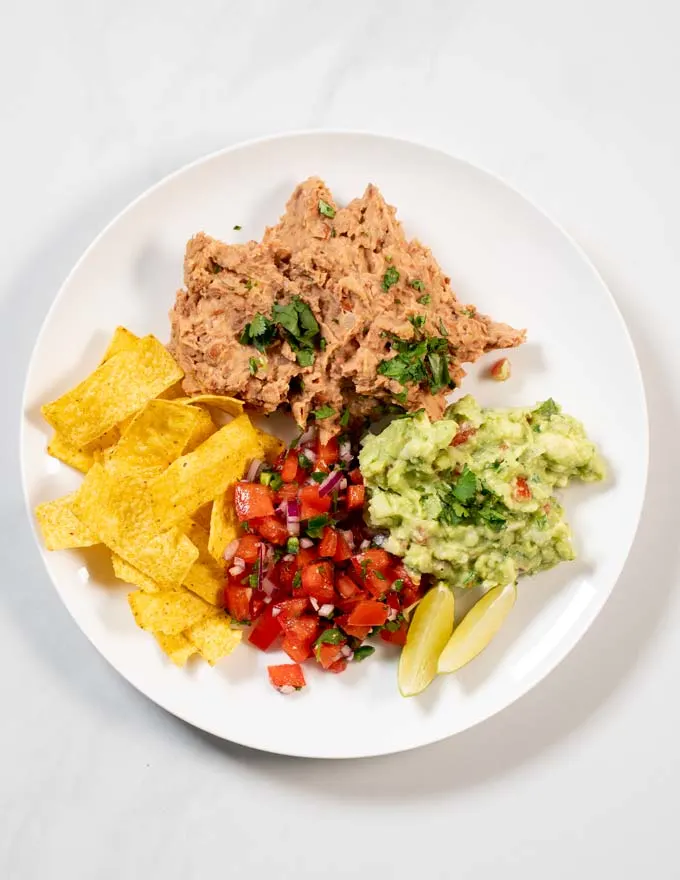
(573, 103)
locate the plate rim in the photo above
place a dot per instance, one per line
(585, 621)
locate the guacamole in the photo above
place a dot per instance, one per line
(469, 499)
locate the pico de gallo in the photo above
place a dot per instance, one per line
(307, 574)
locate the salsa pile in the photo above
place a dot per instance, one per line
(307, 570)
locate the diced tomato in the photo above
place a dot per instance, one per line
(272, 530)
(392, 600)
(304, 629)
(306, 555)
(266, 630)
(356, 495)
(338, 666)
(329, 542)
(348, 605)
(327, 454)
(342, 551)
(358, 632)
(377, 583)
(257, 604)
(311, 504)
(286, 492)
(296, 650)
(287, 675)
(327, 654)
(465, 431)
(374, 560)
(248, 547)
(317, 581)
(290, 467)
(398, 637)
(252, 500)
(237, 600)
(409, 596)
(289, 609)
(522, 491)
(356, 477)
(284, 572)
(368, 613)
(346, 586)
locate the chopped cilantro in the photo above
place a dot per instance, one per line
(379, 575)
(238, 228)
(322, 344)
(442, 328)
(331, 636)
(418, 321)
(394, 625)
(316, 525)
(364, 568)
(297, 579)
(344, 418)
(326, 209)
(390, 277)
(398, 585)
(323, 412)
(425, 300)
(259, 333)
(469, 313)
(420, 361)
(401, 397)
(305, 357)
(333, 232)
(304, 462)
(319, 476)
(253, 366)
(214, 267)
(250, 284)
(465, 487)
(547, 408)
(417, 284)
(362, 652)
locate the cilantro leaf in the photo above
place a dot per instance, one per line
(344, 418)
(237, 227)
(425, 300)
(547, 408)
(417, 284)
(316, 525)
(362, 652)
(260, 332)
(465, 486)
(442, 328)
(326, 209)
(332, 636)
(323, 412)
(253, 366)
(305, 357)
(417, 321)
(390, 277)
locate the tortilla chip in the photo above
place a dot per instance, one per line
(178, 647)
(271, 445)
(214, 638)
(205, 577)
(205, 427)
(229, 405)
(82, 457)
(115, 390)
(61, 529)
(194, 479)
(202, 516)
(122, 340)
(173, 392)
(131, 575)
(224, 525)
(117, 508)
(157, 435)
(169, 612)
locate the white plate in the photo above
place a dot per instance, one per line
(504, 255)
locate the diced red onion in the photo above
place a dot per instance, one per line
(276, 611)
(289, 557)
(346, 451)
(254, 469)
(238, 562)
(342, 484)
(286, 689)
(379, 540)
(310, 454)
(230, 550)
(267, 600)
(346, 651)
(392, 614)
(268, 586)
(315, 604)
(293, 517)
(348, 535)
(326, 610)
(309, 434)
(294, 528)
(236, 570)
(331, 482)
(282, 508)
(364, 545)
(306, 543)
(260, 565)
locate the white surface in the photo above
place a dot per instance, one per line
(572, 103)
(502, 254)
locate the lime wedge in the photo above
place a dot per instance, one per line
(477, 628)
(429, 631)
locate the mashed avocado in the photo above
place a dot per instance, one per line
(469, 499)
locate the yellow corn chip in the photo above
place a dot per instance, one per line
(122, 340)
(178, 647)
(214, 638)
(61, 529)
(117, 508)
(173, 392)
(205, 427)
(272, 446)
(82, 457)
(194, 479)
(205, 577)
(169, 612)
(229, 405)
(115, 390)
(131, 575)
(202, 516)
(157, 435)
(224, 525)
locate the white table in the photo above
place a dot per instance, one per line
(573, 103)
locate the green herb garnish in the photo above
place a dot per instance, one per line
(362, 652)
(316, 525)
(344, 418)
(253, 366)
(323, 412)
(293, 545)
(297, 579)
(398, 585)
(326, 209)
(425, 300)
(319, 476)
(417, 284)
(304, 462)
(390, 277)
(238, 228)
(418, 321)
(260, 333)
(547, 408)
(331, 636)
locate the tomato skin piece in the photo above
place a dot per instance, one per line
(328, 454)
(338, 666)
(398, 637)
(248, 548)
(237, 601)
(272, 530)
(252, 500)
(311, 503)
(287, 675)
(356, 496)
(317, 581)
(289, 468)
(357, 632)
(329, 542)
(463, 435)
(266, 630)
(327, 654)
(356, 477)
(289, 609)
(346, 586)
(369, 613)
(303, 629)
(296, 650)
(343, 551)
(522, 491)
(376, 583)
